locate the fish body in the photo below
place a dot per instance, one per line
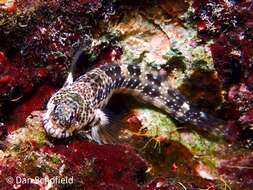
(80, 103)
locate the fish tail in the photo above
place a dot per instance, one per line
(153, 88)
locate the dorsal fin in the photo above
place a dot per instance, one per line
(79, 57)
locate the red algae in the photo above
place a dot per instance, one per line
(229, 24)
(45, 43)
(133, 122)
(169, 184)
(2, 57)
(162, 184)
(109, 54)
(101, 167)
(37, 101)
(9, 76)
(238, 169)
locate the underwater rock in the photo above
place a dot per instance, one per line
(204, 51)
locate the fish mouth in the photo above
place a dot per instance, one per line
(53, 131)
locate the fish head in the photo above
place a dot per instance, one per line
(66, 113)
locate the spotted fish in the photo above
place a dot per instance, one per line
(79, 104)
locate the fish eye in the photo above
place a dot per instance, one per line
(71, 117)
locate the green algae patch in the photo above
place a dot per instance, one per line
(198, 144)
(203, 149)
(156, 123)
(56, 159)
(41, 138)
(202, 53)
(170, 149)
(190, 53)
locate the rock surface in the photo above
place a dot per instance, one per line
(203, 48)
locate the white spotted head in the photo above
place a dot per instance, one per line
(66, 113)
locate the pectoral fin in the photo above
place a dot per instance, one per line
(107, 128)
